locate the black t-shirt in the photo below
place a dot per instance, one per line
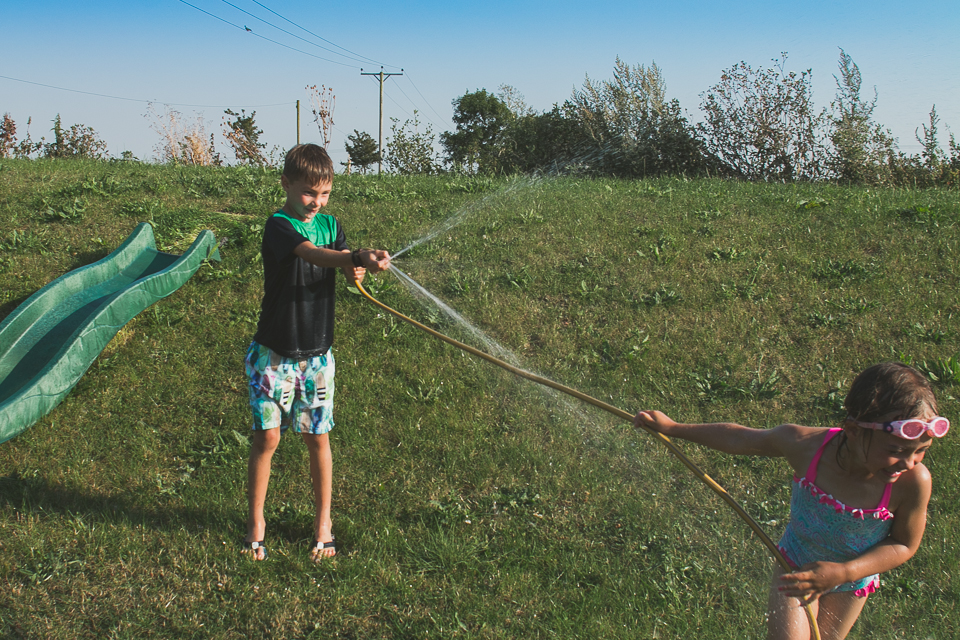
(297, 312)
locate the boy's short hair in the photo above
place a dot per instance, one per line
(310, 163)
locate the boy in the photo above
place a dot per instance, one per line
(289, 363)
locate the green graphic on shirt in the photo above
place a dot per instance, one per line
(321, 231)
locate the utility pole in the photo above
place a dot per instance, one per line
(383, 76)
(298, 122)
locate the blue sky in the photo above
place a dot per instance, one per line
(172, 53)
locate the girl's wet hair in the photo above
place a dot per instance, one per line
(890, 391)
(882, 393)
(310, 163)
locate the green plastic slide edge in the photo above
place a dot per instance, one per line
(80, 349)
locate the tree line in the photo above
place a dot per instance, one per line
(758, 124)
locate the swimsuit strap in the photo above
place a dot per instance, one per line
(885, 500)
(811, 474)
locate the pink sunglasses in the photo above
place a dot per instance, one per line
(910, 429)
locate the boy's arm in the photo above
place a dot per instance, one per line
(374, 260)
(353, 273)
(728, 437)
(816, 578)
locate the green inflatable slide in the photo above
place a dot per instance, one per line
(49, 341)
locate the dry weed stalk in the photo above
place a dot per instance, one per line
(182, 142)
(323, 102)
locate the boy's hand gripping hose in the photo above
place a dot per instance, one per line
(710, 482)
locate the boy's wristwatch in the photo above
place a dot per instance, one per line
(355, 258)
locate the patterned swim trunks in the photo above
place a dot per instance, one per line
(285, 392)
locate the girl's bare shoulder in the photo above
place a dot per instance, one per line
(916, 482)
(800, 436)
(799, 444)
(910, 494)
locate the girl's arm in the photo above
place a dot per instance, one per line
(816, 578)
(728, 437)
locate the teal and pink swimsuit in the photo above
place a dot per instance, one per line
(823, 528)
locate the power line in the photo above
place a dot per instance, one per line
(425, 99)
(425, 115)
(171, 104)
(408, 99)
(319, 37)
(249, 30)
(293, 35)
(252, 32)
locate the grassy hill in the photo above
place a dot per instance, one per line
(468, 503)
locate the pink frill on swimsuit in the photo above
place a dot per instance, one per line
(823, 528)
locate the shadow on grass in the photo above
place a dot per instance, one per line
(84, 258)
(7, 307)
(37, 496)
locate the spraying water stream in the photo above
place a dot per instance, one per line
(512, 190)
(426, 298)
(707, 480)
(550, 389)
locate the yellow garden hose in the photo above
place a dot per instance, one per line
(710, 482)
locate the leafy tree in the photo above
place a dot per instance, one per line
(477, 144)
(761, 124)
(76, 142)
(243, 136)
(862, 150)
(551, 141)
(624, 126)
(410, 151)
(362, 149)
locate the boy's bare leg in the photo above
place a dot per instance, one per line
(258, 477)
(321, 475)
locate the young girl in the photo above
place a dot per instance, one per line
(859, 499)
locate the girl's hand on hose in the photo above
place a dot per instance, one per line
(812, 580)
(656, 420)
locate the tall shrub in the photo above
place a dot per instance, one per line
(410, 151)
(631, 126)
(551, 141)
(243, 136)
(78, 141)
(762, 125)
(932, 166)
(862, 150)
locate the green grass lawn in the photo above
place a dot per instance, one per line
(469, 503)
